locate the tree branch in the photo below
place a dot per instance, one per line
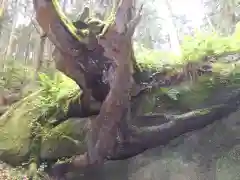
(150, 137)
(54, 23)
(144, 138)
(79, 55)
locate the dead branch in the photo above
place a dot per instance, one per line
(175, 126)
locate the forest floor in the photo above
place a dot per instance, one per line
(9, 173)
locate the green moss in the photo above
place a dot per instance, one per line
(153, 59)
(15, 128)
(82, 37)
(58, 92)
(13, 76)
(189, 95)
(30, 117)
(67, 139)
(194, 49)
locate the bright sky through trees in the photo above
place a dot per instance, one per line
(193, 9)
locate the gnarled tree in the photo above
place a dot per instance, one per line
(99, 57)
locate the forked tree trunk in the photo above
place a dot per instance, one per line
(88, 59)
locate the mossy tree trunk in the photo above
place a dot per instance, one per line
(103, 66)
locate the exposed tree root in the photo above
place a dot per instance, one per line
(141, 139)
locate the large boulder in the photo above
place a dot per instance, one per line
(15, 130)
(26, 129)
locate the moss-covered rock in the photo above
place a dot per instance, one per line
(65, 140)
(15, 130)
(30, 119)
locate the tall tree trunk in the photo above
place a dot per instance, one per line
(173, 32)
(3, 5)
(228, 16)
(39, 59)
(27, 51)
(49, 49)
(12, 33)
